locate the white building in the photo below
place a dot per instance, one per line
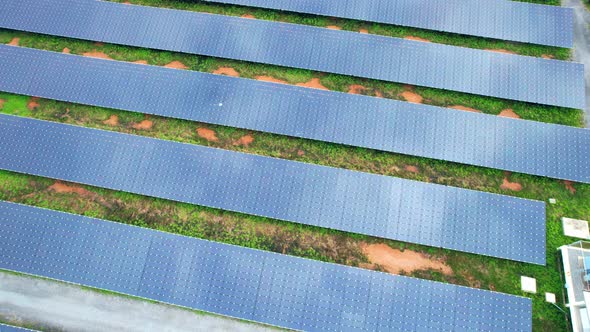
(576, 267)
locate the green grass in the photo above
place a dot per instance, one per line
(305, 241)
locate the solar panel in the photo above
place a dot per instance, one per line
(10, 328)
(508, 20)
(377, 123)
(250, 284)
(480, 72)
(363, 203)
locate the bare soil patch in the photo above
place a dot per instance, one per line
(365, 31)
(62, 188)
(508, 113)
(333, 27)
(14, 42)
(2, 101)
(96, 54)
(112, 121)
(141, 62)
(412, 169)
(507, 185)
(499, 50)
(465, 108)
(33, 103)
(408, 261)
(245, 141)
(229, 71)
(176, 65)
(418, 39)
(547, 56)
(207, 134)
(143, 125)
(248, 16)
(314, 83)
(356, 89)
(270, 79)
(412, 97)
(569, 185)
(66, 50)
(300, 153)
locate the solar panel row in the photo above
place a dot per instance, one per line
(362, 203)
(440, 66)
(507, 20)
(426, 131)
(10, 328)
(245, 283)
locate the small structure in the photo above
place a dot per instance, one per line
(575, 228)
(528, 284)
(576, 267)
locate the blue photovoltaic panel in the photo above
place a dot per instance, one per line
(508, 20)
(250, 284)
(480, 72)
(381, 206)
(426, 131)
(10, 328)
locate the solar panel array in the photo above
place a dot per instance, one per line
(363, 203)
(390, 59)
(507, 20)
(245, 283)
(426, 131)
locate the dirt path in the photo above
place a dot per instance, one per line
(582, 44)
(58, 306)
(408, 261)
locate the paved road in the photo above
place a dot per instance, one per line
(582, 44)
(63, 307)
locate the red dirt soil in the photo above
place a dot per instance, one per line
(545, 56)
(412, 169)
(229, 71)
(507, 185)
(62, 188)
(499, 50)
(207, 134)
(569, 185)
(176, 65)
(365, 31)
(96, 54)
(412, 97)
(356, 89)
(248, 16)
(143, 125)
(314, 83)
(464, 108)
(508, 113)
(14, 42)
(396, 261)
(66, 50)
(333, 27)
(244, 141)
(33, 103)
(300, 153)
(417, 39)
(112, 121)
(271, 79)
(2, 101)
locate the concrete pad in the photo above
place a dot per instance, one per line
(528, 284)
(575, 228)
